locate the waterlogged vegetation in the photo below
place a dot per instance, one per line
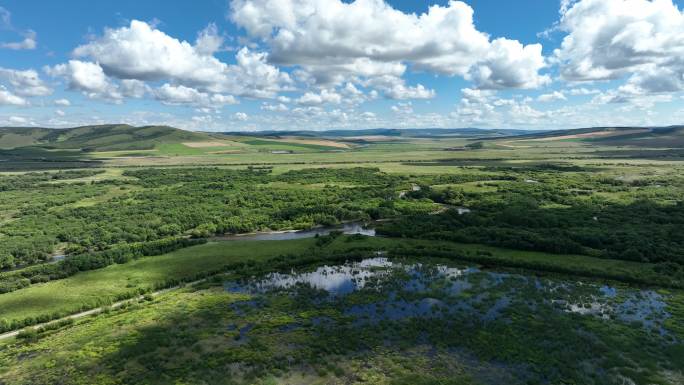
(86, 290)
(521, 262)
(373, 320)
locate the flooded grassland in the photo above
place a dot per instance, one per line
(373, 321)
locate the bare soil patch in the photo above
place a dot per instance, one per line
(207, 144)
(316, 142)
(598, 134)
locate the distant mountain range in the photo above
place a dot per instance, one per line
(392, 132)
(120, 137)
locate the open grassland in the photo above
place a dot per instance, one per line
(244, 150)
(93, 288)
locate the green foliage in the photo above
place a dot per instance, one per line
(42, 179)
(197, 202)
(475, 146)
(548, 212)
(19, 279)
(300, 333)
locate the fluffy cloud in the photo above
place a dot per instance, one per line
(8, 98)
(631, 95)
(486, 108)
(280, 107)
(142, 52)
(475, 106)
(609, 39)
(29, 42)
(394, 87)
(550, 97)
(333, 40)
(368, 116)
(509, 64)
(309, 32)
(325, 96)
(402, 108)
(208, 40)
(337, 73)
(63, 102)
(583, 91)
(86, 77)
(253, 76)
(241, 116)
(25, 83)
(18, 120)
(176, 95)
(133, 88)
(525, 113)
(400, 91)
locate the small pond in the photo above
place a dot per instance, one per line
(347, 228)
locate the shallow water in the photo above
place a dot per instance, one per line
(378, 289)
(347, 228)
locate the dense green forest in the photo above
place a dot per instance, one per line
(149, 204)
(543, 208)
(565, 213)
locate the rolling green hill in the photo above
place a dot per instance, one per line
(112, 137)
(13, 137)
(659, 137)
(644, 137)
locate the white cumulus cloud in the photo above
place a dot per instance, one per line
(142, 52)
(332, 39)
(609, 39)
(84, 76)
(325, 96)
(208, 40)
(401, 91)
(25, 82)
(8, 98)
(176, 95)
(62, 102)
(552, 96)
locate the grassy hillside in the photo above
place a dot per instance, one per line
(647, 137)
(111, 137)
(120, 137)
(167, 141)
(661, 137)
(13, 137)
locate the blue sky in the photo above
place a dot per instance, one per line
(316, 64)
